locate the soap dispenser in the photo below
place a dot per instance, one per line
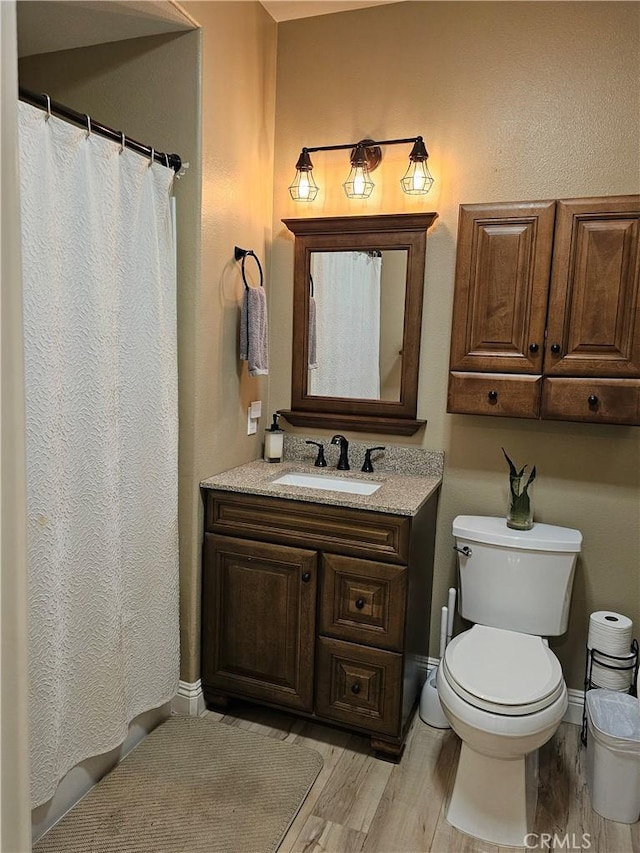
(273, 442)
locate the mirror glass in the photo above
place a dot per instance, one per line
(356, 323)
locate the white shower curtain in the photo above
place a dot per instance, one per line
(101, 395)
(346, 288)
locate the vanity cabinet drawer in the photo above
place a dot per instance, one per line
(363, 601)
(359, 686)
(607, 401)
(378, 536)
(494, 394)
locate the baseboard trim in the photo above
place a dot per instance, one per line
(575, 708)
(573, 714)
(189, 699)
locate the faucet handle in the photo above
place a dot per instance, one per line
(320, 462)
(368, 467)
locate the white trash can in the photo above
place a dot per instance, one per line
(613, 754)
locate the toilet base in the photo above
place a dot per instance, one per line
(494, 799)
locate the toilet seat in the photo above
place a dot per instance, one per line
(503, 672)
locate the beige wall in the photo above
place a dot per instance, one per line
(515, 101)
(238, 95)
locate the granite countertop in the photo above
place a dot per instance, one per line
(399, 494)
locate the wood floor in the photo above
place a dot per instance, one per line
(362, 804)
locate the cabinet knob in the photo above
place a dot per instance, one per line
(493, 396)
(555, 348)
(355, 688)
(360, 603)
(533, 347)
(592, 400)
(306, 577)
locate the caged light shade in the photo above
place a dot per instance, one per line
(417, 179)
(303, 187)
(359, 183)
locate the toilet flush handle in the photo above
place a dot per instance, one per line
(466, 550)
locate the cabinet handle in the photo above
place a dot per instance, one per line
(360, 603)
(493, 396)
(306, 577)
(592, 400)
(355, 688)
(533, 347)
(555, 348)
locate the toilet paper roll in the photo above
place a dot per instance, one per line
(610, 675)
(610, 632)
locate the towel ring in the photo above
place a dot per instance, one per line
(48, 115)
(121, 142)
(88, 118)
(242, 254)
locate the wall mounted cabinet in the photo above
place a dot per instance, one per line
(546, 316)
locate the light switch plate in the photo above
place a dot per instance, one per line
(256, 409)
(252, 423)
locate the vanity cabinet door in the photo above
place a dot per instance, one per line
(594, 302)
(258, 617)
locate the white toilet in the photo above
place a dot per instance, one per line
(500, 685)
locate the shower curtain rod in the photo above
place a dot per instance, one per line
(46, 103)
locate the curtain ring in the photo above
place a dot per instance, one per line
(152, 156)
(88, 117)
(48, 115)
(121, 142)
(166, 160)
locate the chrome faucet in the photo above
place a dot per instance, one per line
(343, 462)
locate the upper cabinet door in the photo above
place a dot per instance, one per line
(594, 308)
(502, 281)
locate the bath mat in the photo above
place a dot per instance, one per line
(193, 785)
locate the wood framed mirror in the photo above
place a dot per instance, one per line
(358, 286)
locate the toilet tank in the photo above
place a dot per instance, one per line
(514, 579)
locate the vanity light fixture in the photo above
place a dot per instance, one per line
(365, 157)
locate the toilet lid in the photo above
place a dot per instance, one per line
(503, 671)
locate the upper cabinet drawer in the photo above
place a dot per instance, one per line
(594, 302)
(494, 394)
(502, 280)
(363, 601)
(335, 529)
(608, 401)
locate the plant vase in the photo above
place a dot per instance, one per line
(520, 508)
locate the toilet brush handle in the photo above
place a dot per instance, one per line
(451, 610)
(443, 631)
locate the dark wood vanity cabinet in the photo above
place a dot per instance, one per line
(320, 609)
(546, 317)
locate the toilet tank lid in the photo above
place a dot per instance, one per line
(494, 531)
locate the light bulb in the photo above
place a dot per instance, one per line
(359, 182)
(303, 186)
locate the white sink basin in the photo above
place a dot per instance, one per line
(329, 483)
